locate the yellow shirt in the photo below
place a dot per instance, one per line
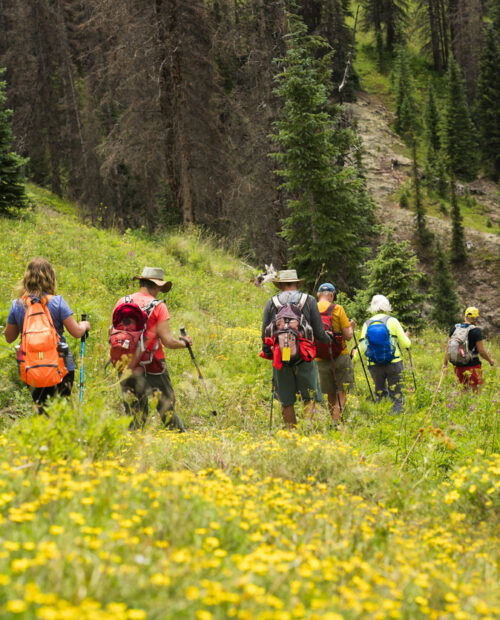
(339, 320)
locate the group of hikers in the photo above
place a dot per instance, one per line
(305, 338)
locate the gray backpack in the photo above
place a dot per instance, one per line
(458, 345)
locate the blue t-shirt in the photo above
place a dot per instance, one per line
(59, 311)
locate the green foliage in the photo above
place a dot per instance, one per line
(444, 299)
(458, 131)
(394, 273)
(331, 212)
(487, 102)
(432, 120)
(12, 193)
(404, 200)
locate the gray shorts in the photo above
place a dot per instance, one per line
(300, 379)
(344, 371)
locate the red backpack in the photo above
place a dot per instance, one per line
(326, 351)
(128, 345)
(40, 362)
(289, 335)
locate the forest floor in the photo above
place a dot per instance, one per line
(388, 171)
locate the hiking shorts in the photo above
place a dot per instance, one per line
(469, 376)
(344, 371)
(300, 379)
(137, 389)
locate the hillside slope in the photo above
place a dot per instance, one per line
(232, 519)
(388, 171)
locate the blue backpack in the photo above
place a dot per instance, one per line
(380, 349)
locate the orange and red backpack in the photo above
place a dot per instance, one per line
(40, 362)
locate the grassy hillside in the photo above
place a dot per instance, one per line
(230, 519)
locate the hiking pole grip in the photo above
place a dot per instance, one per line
(86, 334)
(188, 346)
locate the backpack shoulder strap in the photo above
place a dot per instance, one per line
(127, 299)
(302, 301)
(276, 302)
(150, 306)
(330, 309)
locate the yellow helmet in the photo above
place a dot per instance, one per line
(471, 313)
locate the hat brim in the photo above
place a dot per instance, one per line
(164, 285)
(278, 282)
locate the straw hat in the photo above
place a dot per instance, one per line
(287, 276)
(156, 275)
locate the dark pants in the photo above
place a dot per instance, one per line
(388, 382)
(137, 389)
(40, 395)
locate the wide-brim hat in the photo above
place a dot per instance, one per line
(287, 276)
(157, 276)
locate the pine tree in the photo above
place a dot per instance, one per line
(12, 193)
(330, 211)
(432, 120)
(488, 102)
(458, 130)
(444, 299)
(406, 121)
(457, 250)
(394, 273)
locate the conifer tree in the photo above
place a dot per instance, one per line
(488, 102)
(394, 273)
(330, 211)
(458, 131)
(12, 193)
(408, 126)
(432, 120)
(457, 250)
(444, 299)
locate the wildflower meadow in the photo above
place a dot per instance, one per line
(235, 518)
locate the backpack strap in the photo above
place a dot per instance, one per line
(277, 303)
(127, 299)
(302, 301)
(329, 310)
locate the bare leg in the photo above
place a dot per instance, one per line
(310, 409)
(289, 416)
(333, 405)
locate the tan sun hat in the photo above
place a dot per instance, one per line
(287, 276)
(156, 275)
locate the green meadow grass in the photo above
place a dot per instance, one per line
(232, 519)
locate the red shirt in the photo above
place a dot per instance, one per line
(159, 314)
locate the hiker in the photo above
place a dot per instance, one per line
(292, 374)
(383, 341)
(39, 285)
(149, 371)
(336, 372)
(464, 347)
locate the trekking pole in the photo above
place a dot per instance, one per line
(272, 403)
(82, 356)
(183, 336)
(363, 364)
(412, 370)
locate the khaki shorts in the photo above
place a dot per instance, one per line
(300, 379)
(344, 372)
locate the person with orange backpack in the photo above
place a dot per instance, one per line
(40, 316)
(336, 372)
(140, 326)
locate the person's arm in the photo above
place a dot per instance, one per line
(346, 326)
(402, 336)
(168, 340)
(11, 332)
(316, 322)
(77, 330)
(267, 317)
(483, 353)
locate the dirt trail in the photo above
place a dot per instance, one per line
(387, 169)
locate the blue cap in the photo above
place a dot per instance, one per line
(326, 287)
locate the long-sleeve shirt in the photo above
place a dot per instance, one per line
(398, 336)
(310, 311)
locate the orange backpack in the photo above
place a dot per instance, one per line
(40, 363)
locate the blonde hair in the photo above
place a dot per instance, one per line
(39, 278)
